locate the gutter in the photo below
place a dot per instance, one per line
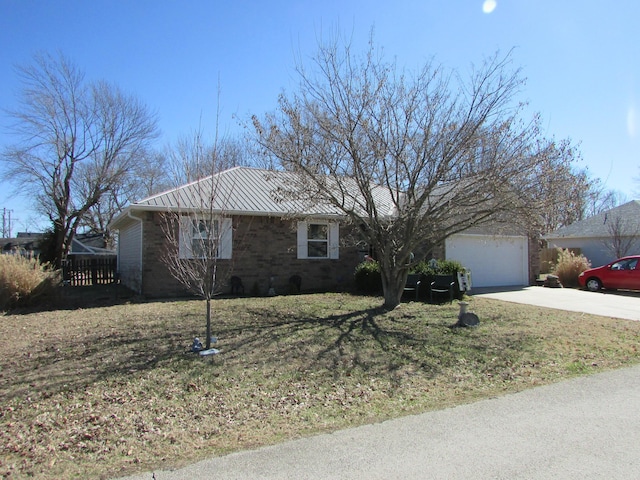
(233, 212)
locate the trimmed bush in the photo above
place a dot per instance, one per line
(569, 266)
(441, 267)
(429, 270)
(367, 277)
(22, 280)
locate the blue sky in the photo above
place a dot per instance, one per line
(580, 57)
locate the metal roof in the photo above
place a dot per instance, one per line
(252, 191)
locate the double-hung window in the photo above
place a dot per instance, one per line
(202, 238)
(318, 239)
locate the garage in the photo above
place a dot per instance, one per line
(494, 261)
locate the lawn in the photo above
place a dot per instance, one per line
(107, 391)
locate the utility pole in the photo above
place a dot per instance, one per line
(6, 223)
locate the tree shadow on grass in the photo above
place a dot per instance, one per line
(369, 341)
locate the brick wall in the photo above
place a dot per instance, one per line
(535, 258)
(264, 256)
(156, 279)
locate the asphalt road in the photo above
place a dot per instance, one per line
(585, 428)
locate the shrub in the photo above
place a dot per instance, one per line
(430, 269)
(441, 267)
(569, 266)
(367, 277)
(22, 280)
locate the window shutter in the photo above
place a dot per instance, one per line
(303, 248)
(225, 249)
(184, 237)
(334, 240)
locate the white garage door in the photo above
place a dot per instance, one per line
(494, 261)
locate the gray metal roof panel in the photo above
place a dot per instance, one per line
(244, 190)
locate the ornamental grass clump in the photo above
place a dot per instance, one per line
(569, 266)
(22, 280)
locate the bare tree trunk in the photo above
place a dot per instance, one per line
(393, 282)
(208, 342)
(59, 236)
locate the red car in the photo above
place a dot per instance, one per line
(623, 273)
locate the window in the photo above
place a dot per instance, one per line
(629, 264)
(204, 235)
(317, 239)
(199, 236)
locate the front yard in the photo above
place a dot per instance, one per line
(106, 391)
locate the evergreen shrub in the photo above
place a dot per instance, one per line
(367, 277)
(441, 267)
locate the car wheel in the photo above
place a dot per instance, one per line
(594, 285)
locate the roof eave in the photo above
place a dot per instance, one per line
(116, 222)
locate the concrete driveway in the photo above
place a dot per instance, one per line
(608, 304)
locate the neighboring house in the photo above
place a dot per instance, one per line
(89, 261)
(26, 244)
(267, 238)
(89, 245)
(595, 236)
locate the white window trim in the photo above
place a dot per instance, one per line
(225, 236)
(333, 231)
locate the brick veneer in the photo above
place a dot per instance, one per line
(264, 256)
(534, 258)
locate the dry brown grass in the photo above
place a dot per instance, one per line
(107, 391)
(569, 266)
(23, 280)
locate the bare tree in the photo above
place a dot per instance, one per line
(199, 235)
(191, 158)
(563, 191)
(147, 176)
(600, 199)
(623, 235)
(77, 141)
(450, 154)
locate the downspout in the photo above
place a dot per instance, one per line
(130, 215)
